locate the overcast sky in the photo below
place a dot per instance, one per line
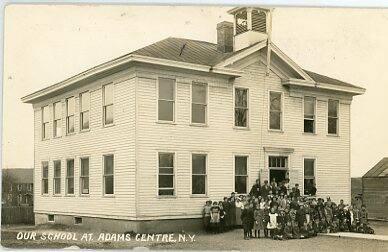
(46, 44)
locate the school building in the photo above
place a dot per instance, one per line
(142, 141)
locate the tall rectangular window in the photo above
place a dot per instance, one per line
(70, 109)
(198, 182)
(45, 122)
(108, 174)
(309, 175)
(84, 110)
(332, 120)
(309, 114)
(166, 174)
(57, 119)
(241, 107)
(275, 110)
(166, 99)
(198, 103)
(108, 104)
(84, 176)
(240, 174)
(70, 176)
(45, 177)
(57, 177)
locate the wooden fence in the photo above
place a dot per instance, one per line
(17, 215)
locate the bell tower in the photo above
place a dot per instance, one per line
(251, 25)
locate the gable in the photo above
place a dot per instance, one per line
(379, 170)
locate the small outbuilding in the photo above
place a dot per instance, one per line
(375, 190)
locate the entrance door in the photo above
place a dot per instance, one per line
(278, 175)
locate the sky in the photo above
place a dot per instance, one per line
(45, 44)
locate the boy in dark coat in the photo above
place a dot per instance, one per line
(246, 221)
(264, 190)
(226, 208)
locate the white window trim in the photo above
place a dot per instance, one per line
(338, 117)
(234, 108)
(315, 171)
(315, 115)
(247, 155)
(206, 174)
(80, 110)
(191, 104)
(174, 114)
(281, 130)
(103, 105)
(175, 195)
(60, 182)
(80, 174)
(103, 174)
(74, 176)
(67, 115)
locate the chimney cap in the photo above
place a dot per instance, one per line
(224, 24)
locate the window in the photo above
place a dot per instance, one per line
(44, 177)
(84, 177)
(84, 110)
(166, 99)
(241, 107)
(57, 119)
(77, 220)
(309, 175)
(70, 176)
(309, 114)
(50, 217)
(279, 162)
(332, 120)
(108, 104)
(166, 174)
(241, 174)
(198, 183)
(198, 103)
(70, 108)
(45, 122)
(29, 187)
(275, 111)
(57, 177)
(20, 187)
(108, 174)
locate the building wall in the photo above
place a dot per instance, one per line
(221, 140)
(118, 139)
(375, 196)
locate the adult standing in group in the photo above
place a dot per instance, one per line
(264, 190)
(255, 190)
(226, 207)
(232, 202)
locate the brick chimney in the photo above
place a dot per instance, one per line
(225, 37)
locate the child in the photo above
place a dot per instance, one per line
(328, 212)
(206, 215)
(251, 218)
(272, 224)
(288, 231)
(226, 207)
(266, 219)
(259, 224)
(245, 221)
(214, 217)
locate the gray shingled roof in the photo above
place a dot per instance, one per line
(380, 169)
(19, 175)
(206, 53)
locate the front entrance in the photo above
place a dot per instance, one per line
(277, 175)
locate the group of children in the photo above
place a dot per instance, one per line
(283, 215)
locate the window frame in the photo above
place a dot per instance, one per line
(81, 177)
(247, 108)
(67, 177)
(81, 112)
(56, 121)
(45, 134)
(104, 175)
(174, 112)
(104, 106)
(314, 169)
(205, 174)
(281, 111)
(56, 178)
(337, 118)
(247, 156)
(174, 195)
(19, 187)
(45, 178)
(69, 116)
(206, 104)
(314, 115)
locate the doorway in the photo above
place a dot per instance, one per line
(277, 174)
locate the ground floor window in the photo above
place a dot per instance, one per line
(309, 176)
(57, 177)
(44, 177)
(198, 182)
(166, 174)
(70, 176)
(84, 176)
(108, 174)
(241, 174)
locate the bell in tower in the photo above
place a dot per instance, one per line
(251, 25)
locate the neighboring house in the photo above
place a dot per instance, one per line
(17, 187)
(142, 141)
(375, 190)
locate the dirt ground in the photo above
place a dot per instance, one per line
(232, 240)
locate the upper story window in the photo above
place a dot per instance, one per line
(108, 103)
(241, 107)
(332, 120)
(70, 109)
(166, 99)
(309, 114)
(70, 176)
(275, 110)
(166, 174)
(198, 103)
(57, 119)
(84, 110)
(45, 177)
(45, 122)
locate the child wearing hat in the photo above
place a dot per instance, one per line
(206, 215)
